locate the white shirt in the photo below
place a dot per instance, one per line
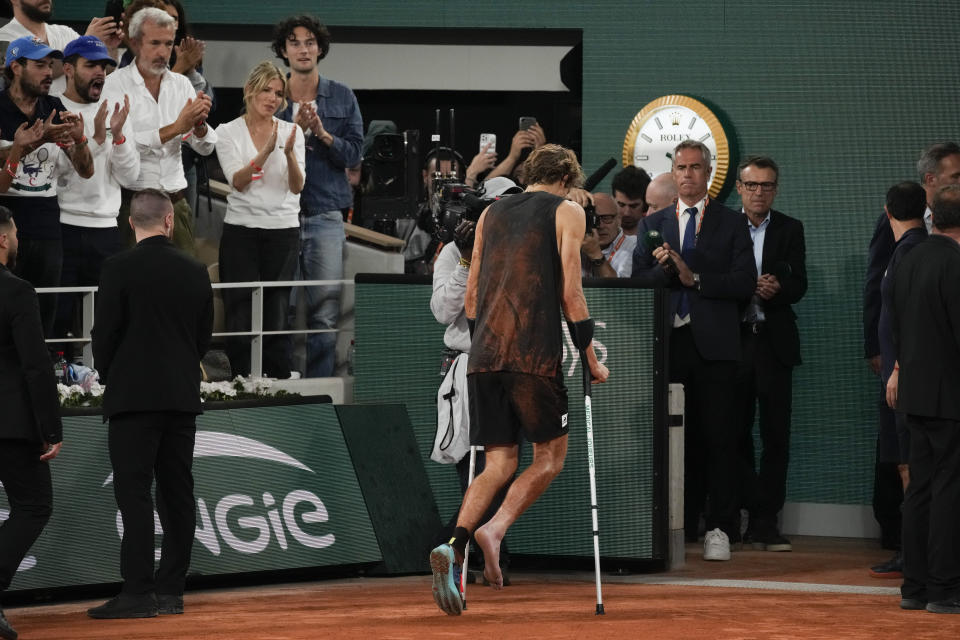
(38, 171)
(621, 250)
(928, 219)
(449, 292)
(57, 37)
(682, 220)
(622, 254)
(95, 202)
(266, 203)
(160, 164)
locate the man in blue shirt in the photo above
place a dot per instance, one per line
(770, 349)
(330, 117)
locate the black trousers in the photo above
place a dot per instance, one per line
(144, 446)
(887, 486)
(84, 250)
(26, 481)
(250, 255)
(39, 261)
(765, 381)
(931, 524)
(710, 435)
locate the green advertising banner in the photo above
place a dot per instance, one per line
(398, 348)
(275, 489)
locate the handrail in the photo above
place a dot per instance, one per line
(256, 319)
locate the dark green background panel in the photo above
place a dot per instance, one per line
(387, 461)
(275, 489)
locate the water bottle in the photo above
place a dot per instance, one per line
(60, 369)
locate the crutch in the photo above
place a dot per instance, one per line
(466, 550)
(593, 478)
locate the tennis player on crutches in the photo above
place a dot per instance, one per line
(525, 268)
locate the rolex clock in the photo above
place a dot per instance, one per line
(667, 121)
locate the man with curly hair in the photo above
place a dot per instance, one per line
(329, 115)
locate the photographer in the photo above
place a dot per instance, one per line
(607, 252)
(447, 304)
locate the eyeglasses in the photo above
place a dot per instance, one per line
(766, 187)
(606, 219)
(640, 206)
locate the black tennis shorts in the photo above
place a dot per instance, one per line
(504, 403)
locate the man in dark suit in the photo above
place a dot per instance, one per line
(770, 345)
(926, 332)
(30, 430)
(938, 166)
(905, 207)
(713, 276)
(153, 323)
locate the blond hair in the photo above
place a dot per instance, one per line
(258, 80)
(550, 163)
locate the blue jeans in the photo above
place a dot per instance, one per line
(321, 258)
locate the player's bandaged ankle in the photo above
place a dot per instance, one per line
(581, 333)
(459, 540)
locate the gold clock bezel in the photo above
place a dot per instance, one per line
(721, 163)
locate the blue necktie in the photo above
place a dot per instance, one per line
(689, 240)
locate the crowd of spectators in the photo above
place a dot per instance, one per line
(88, 121)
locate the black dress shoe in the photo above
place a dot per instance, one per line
(169, 604)
(944, 606)
(767, 541)
(6, 631)
(126, 606)
(892, 568)
(913, 604)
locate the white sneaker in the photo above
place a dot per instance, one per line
(716, 545)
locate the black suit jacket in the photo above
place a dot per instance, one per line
(783, 245)
(153, 323)
(723, 257)
(28, 388)
(926, 329)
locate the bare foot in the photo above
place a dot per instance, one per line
(489, 542)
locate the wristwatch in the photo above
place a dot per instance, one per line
(696, 281)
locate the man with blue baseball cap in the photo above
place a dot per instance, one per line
(89, 208)
(40, 141)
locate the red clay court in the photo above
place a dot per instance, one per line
(820, 590)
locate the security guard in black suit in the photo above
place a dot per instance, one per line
(153, 323)
(707, 262)
(30, 431)
(926, 333)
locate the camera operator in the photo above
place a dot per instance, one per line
(607, 252)
(447, 304)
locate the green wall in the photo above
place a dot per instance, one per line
(398, 359)
(843, 95)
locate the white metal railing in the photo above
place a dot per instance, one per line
(256, 332)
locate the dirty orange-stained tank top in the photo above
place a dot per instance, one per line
(519, 288)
